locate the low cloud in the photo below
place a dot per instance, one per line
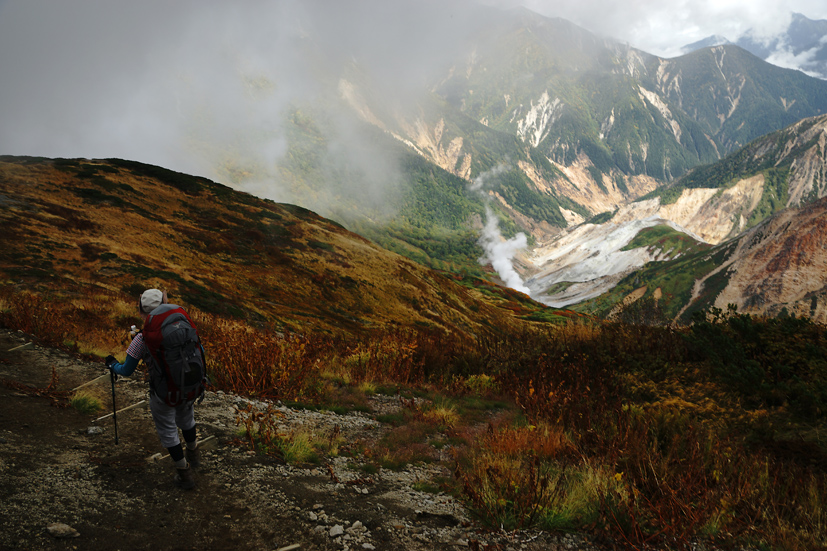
(664, 27)
(205, 87)
(806, 61)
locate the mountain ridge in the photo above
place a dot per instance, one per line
(801, 46)
(121, 225)
(714, 204)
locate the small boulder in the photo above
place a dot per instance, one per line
(59, 530)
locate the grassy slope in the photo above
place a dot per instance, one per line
(124, 225)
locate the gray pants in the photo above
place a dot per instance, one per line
(169, 419)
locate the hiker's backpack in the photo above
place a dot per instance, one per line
(177, 368)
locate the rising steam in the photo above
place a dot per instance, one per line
(499, 251)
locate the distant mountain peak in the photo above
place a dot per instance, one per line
(708, 42)
(802, 45)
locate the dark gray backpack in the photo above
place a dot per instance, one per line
(175, 357)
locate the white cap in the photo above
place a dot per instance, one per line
(151, 299)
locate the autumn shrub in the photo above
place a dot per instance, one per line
(768, 362)
(297, 447)
(481, 385)
(519, 476)
(442, 414)
(675, 475)
(258, 362)
(403, 445)
(36, 315)
(86, 322)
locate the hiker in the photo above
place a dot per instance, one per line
(171, 405)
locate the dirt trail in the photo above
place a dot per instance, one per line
(52, 470)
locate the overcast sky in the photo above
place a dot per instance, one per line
(662, 27)
(177, 83)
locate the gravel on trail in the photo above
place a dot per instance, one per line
(65, 484)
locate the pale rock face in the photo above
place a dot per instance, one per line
(428, 143)
(357, 102)
(658, 104)
(572, 218)
(579, 186)
(707, 214)
(607, 125)
(713, 215)
(534, 127)
(726, 215)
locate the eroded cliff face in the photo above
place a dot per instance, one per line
(579, 186)
(714, 215)
(428, 142)
(782, 265)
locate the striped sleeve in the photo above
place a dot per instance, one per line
(137, 348)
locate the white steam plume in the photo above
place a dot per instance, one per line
(499, 252)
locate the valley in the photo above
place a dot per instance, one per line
(466, 275)
(591, 141)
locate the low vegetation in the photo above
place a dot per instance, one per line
(638, 435)
(86, 402)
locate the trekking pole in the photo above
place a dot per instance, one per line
(114, 409)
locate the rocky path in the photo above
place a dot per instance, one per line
(61, 470)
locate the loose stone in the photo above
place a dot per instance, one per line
(60, 530)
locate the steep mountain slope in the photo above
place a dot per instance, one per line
(775, 268)
(124, 225)
(710, 204)
(584, 123)
(783, 169)
(570, 93)
(560, 124)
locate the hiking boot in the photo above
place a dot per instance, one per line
(194, 458)
(184, 479)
